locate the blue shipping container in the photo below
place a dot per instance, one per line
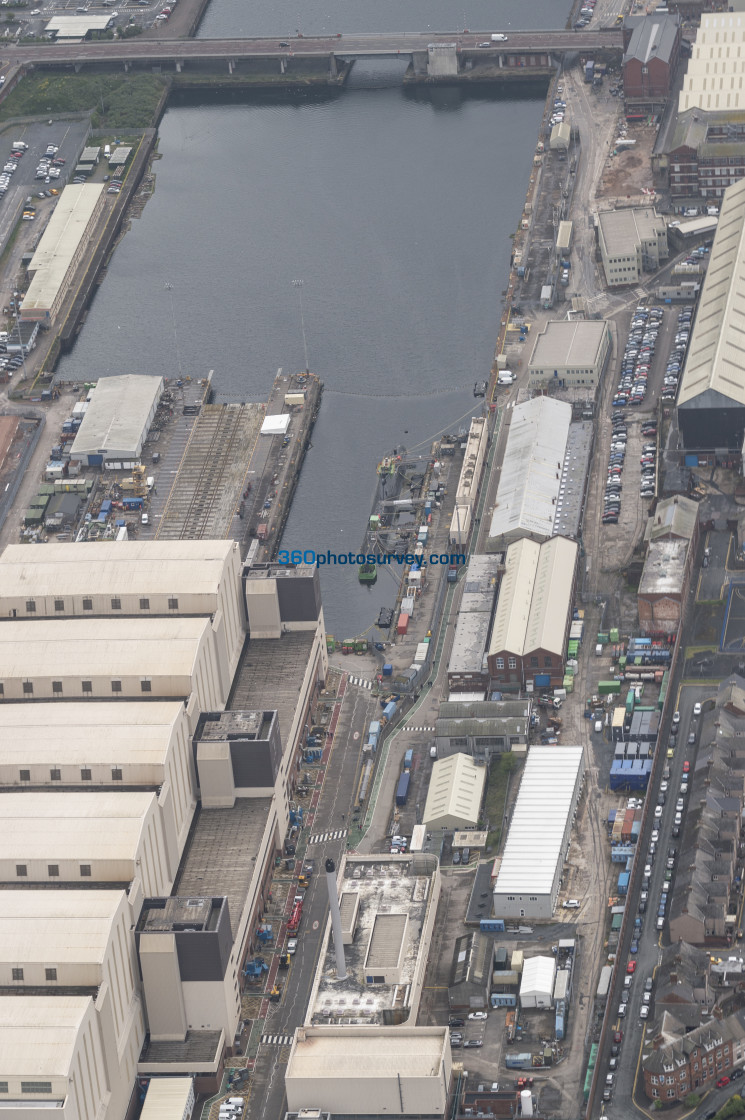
(492, 925)
(389, 710)
(542, 680)
(387, 670)
(691, 460)
(402, 791)
(623, 882)
(502, 999)
(408, 759)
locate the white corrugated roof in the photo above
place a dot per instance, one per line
(77, 27)
(91, 731)
(71, 647)
(59, 243)
(535, 596)
(536, 834)
(117, 416)
(714, 77)
(455, 789)
(38, 1035)
(56, 927)
(538, 975)
(60, 826)
(531, 468)
(715, 355)
(365, 1053)
(167, 1098)
(120, 567)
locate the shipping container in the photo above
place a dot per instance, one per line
(492, 925)
(623, 882)
(609, 688)
(606, 972)
(402, 791)
(408, 759)
(403, 624)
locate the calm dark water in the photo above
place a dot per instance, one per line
(393, 208)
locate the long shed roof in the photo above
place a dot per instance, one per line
(59, 243)
(60, 926)
(538, 826)
(62, 826)
(714, 372)
(118, 415)
(531, 471)
(535, 597)
(38, 1034)
(455, 789)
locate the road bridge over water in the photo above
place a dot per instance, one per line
(440, 55)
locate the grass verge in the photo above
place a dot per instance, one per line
(121, 101)
(500, 775)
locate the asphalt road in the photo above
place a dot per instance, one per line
(649, 956)
(360, 46)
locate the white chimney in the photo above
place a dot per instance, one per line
(341, 966)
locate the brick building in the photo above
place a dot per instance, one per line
(682, 1065)
(650, 63)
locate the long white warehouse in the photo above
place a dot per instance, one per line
(71, 659)
(86, 838)
(137, 744)
(60, 250)
(118, 420)
(527, 885)
(142, 579)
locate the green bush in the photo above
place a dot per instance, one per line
(693, 1100)
(118, 102)
(735, 1106)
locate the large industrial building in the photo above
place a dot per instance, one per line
(534, 612)
(117, 421)
(632, 242)
(529, 877)
(711, 398)
(60, 250)
(570, 355)
(542, 485)
(359, 1053)
(481, 728)
(125, 778)
(650, 63)
(713, 79)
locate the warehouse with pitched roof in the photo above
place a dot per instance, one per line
(711, 400)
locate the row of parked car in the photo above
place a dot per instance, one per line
(637, 357)
(586, 13)
(677, 354)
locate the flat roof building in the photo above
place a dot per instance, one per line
(370, 1071)
(140, 743)
(139, 579)
(531, 473)
(711, 398)
(66, 659)
(570, 355)
(534, 612)
(86, 838)
(455, 793)
(632, 242)
(470, 479)
(117, 420)
(62, 244)
(537, 843)
(387, 945)
(77, 27)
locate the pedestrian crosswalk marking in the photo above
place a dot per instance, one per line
(277, 1039)
(360, 682)
(407, 728)
(322, 837)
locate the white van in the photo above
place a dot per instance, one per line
(433, 752)
(505, 377)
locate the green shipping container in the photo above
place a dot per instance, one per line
(614, 635)
(603, 639)
(607, 688)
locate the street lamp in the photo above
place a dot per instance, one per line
(298, 284)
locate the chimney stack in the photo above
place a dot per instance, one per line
(341, 966)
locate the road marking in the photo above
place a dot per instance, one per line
(360, 682)
(322, 837)
(277, 1039)
(407, 728)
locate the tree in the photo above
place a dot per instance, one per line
(693, 1100)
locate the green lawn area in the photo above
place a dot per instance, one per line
(121, 101)
(496, 792)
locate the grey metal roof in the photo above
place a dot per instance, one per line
(653, 37)
(575, 344)
(714, 372)
(118, 415)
